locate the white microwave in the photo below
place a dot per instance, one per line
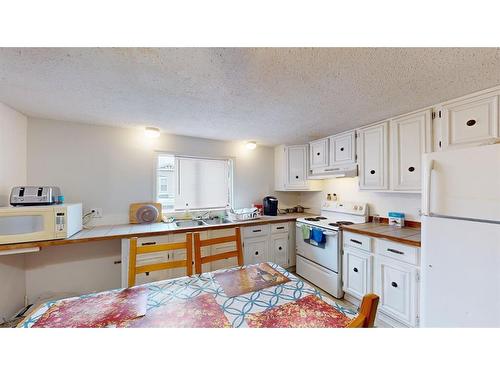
(39, 223)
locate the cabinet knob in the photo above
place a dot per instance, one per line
(318, 153)
(394, 284)
(372, 171)
(471, 122)
(256, 253)
(280, 248)
(296, 177)
(342, 149)
(355, 269)
(411, 169)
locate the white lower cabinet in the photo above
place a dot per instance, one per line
(256, 250)
(390, 270)
(396, 284)
(279, 249)
(357, 272)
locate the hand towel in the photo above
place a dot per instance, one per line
(306, 232)
(317, 235)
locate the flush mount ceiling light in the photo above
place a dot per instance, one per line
(251, 145)
(151, 132)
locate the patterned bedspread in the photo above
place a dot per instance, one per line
(201, 301)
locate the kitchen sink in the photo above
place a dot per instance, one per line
(216, 221)
(189, 223)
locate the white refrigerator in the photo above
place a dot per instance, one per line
(461, 238)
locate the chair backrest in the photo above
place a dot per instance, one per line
(367, 312)
(133, 269)
(198, 244)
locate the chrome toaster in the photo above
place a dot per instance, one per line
(34, 195)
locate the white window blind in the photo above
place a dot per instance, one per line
(200, 183)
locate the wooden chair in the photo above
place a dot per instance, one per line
(367, 312)
(198, 244)
(133, 269)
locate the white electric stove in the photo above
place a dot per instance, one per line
(321, 263)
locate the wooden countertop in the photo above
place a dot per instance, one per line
(109, 232)
(406, 235)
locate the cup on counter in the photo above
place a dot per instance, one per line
(376, 219)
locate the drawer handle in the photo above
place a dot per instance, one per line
(471, 122)
(148, 243)
(355, 269)
(256, 253)
(280, 227)
(342, 149)
(396, 251)
(411, 169)
(356, 241)
(257, 230)
(394, 284)
(280, 248)
(372, 171)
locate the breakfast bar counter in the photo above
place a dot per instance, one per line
(406, 235)
(108, 232)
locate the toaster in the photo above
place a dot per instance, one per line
(34, 195)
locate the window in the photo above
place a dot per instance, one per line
(193, 183)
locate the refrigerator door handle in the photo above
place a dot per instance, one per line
(428, 183)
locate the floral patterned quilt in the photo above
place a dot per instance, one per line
(201, 301)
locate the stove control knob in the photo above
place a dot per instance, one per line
(355, 207)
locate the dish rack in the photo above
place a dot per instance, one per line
(243, 214)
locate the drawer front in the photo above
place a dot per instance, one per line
(358, 241)
(279, 228)
(404, 253)
(153, 240)
(153, 258)
(256, 231)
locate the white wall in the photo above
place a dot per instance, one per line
(379, 203)
(109, 168)
(69, 270)
(12, 172)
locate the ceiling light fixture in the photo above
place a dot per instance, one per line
(151, 132)
(251, 145)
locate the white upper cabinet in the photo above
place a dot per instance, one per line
(373, 157)
(290, 169)
(343, 148)
(318, 154)
(469, 121)
(410, 137)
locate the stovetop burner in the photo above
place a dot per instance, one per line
(341, 222)
(317, 218)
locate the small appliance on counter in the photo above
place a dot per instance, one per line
(145, 213)
(270, 206)
(39, 223)
(397, 219)
(35, 195)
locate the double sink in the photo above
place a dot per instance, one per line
(201, 222)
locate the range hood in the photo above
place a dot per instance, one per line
(348, 170)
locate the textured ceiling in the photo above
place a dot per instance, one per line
(272, 95)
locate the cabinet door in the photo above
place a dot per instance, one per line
(318, 156)
(357, 269)
(396, 285)
(343, 149)
(279, 249)
(471, 121)
(256, 250)
(373, 151)
(297, 167)
(410, 138)
(221, 248)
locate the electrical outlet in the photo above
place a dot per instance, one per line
(97, 212)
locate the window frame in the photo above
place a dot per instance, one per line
(176, 156)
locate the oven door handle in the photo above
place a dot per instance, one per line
(330, 234)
